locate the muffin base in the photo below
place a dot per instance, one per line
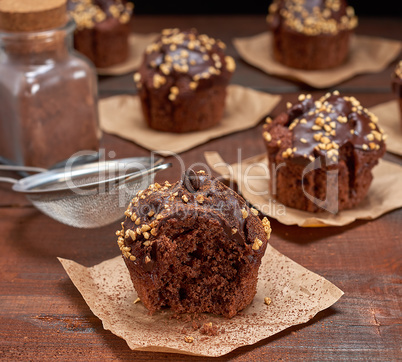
(335, 187)
(106, 44)
(194, 111)
(306, 52)
(196, 267)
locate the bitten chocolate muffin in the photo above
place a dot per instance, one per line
(102, 30)
(311, 34)
(321, 152)
(397, 86)
(182, 81)
(194, 246)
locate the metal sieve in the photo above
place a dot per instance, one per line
(90, 195)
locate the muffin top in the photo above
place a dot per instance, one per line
(87, 13)
(312, 17)
(161, 212)
(187, 59)
(309, 129)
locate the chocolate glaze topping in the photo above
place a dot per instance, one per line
(191, 180)
(322, 127)
(186, 53)
(150, 213)
(312, 17)
(87, 13)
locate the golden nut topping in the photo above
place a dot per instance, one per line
(254, 211)
(230, 63)
(257, 244)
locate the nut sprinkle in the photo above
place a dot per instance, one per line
(321, 127)
(176, 52)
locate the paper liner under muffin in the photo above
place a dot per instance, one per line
(295, 296)
(252, 175)
(367, 55)
(122, 116)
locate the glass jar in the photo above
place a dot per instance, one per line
(48, 97)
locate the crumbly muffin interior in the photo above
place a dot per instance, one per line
(200, 267)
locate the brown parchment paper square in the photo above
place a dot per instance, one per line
(252, 175)
(297, 295)
(388, 114)
(122, 116)
(137, 44)
(367, 55)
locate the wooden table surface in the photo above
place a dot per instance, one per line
(44, 317)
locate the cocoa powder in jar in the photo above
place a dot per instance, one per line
(48, 97)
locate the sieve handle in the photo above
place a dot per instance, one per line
(151, 170)
(9, 180)
(18, 168)
(21, 168)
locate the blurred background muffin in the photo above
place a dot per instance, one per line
(102, 30)
(311, 34)
(182, 81)
(321, 152)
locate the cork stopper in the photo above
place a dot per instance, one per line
(32, 15)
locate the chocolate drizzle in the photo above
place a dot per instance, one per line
(191, 180)
(321, 128)
(198, 50)
(169, 211)
(312, 17)
(355, 125)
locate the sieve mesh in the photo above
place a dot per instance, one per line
(90, 195)
(89, 208)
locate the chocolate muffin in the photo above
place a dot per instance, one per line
(397, 86)
(102, 30)
(182, 81)
(311, 34)
(194, 246)
(321, 152)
